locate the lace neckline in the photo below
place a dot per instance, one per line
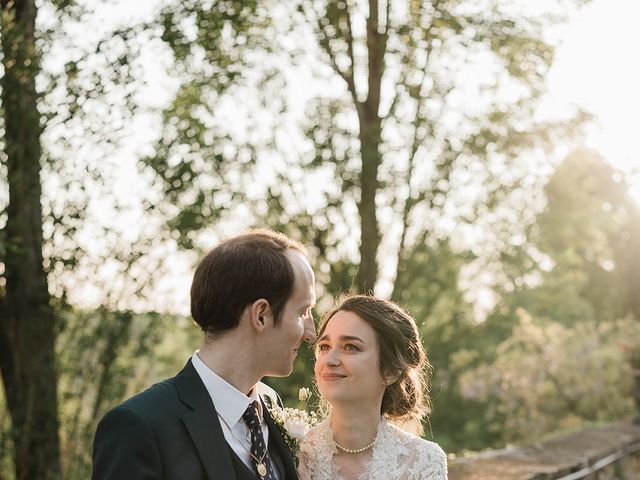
(395, 455)
(371, 465)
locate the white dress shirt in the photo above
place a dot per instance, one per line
(231, 404)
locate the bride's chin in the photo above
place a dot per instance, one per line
(327, 394)
(334, 397)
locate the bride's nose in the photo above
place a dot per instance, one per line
(333, 359)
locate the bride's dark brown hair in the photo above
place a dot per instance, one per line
(402, 354)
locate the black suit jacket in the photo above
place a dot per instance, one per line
(170, 432)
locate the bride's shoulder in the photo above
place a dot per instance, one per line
(422, 459)
(426, 449)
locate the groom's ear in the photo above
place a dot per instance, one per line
(259, 314)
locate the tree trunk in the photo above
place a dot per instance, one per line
(369, 233)
(370, 140)
(27, 322)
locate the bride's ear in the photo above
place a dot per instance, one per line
(390, 378)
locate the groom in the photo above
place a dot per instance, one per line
(252, 297)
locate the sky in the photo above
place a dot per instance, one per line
(598, 67)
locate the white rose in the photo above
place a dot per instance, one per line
(296, 428)
(304, 394)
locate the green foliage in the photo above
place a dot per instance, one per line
(197, 155)
(549, 377)
(226, 123)
(580, 249)
(86, 99)
(105, 356)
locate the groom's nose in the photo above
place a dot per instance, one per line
(309, 329)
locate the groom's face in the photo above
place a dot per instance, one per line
(296, 324)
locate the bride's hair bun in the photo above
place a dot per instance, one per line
(403, 359)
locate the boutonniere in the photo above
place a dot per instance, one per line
(294, 423)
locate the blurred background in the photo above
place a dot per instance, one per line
(475, 161)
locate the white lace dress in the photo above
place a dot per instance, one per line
(397, 455)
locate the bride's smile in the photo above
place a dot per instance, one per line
(329, 377)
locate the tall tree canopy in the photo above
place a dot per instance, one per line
(414, 115)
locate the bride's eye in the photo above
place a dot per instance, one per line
(323, 347)
(351, 347)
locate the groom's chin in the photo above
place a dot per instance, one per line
(285, 372)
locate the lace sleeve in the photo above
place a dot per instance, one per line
(430, 462)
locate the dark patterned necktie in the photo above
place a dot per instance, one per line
(260, 459)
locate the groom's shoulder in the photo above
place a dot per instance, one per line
(138, 415)
(149, 403)
(159, 398)
(161, 392)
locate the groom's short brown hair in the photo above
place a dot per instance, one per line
(238, 272)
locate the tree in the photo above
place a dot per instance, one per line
(577, 264)
(50, 115)
(388, 134)
(413, 122)
(27, 322)
(590, 230)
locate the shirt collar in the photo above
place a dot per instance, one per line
(230, 402)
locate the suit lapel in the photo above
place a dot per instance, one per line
(203, 425)
(288, 467)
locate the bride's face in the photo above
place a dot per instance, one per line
(348, 362)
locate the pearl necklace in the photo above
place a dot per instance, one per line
(355, 450)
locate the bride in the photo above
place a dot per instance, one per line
(370, 368)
